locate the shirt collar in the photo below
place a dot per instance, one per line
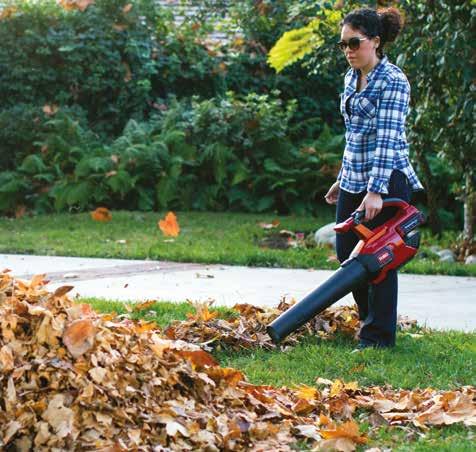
(377, 69)
(373, 73)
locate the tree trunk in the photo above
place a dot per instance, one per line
(469, 201)
(433, 217)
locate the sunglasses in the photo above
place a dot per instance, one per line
(353, 43)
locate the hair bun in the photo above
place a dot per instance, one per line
(391, 23)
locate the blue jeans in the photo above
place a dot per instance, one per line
(377, 302)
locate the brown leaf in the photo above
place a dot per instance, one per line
(160, 345)
(98, 374)
(198, 358)
(231, 376)
(303, 407)
(59, 417)
(37, 281)
(143, 327)
(79, 337)
(144, 305)
(11, 428)
(349, 429)
(63, 290)
(7, 362)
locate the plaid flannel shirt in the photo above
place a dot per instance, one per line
(375, 130)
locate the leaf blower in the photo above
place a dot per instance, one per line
(388, 246)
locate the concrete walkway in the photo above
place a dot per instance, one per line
(444, 302)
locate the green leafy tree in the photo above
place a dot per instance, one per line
(437, 55)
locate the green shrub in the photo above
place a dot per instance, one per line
(223, 153)
(108, 63)
(21, 126)
(100, 59)
(246, 159)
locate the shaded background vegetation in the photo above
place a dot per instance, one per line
(119, 105)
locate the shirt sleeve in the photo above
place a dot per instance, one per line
(391, 114)
(339, 176)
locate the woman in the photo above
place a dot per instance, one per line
(375, 164)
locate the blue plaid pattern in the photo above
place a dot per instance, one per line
(375, 130)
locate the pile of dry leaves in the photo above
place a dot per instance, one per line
(72, 379)
(248, 328)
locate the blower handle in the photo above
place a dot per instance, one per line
(354, 222)
(358, 215)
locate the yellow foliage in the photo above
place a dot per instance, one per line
(295, 44)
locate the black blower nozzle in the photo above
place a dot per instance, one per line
(350, 276)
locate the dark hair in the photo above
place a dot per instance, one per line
(384, 22)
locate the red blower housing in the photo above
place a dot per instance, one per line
(390, 245)
(379, 250)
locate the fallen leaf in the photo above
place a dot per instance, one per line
(272, 225)
(37, 281)
(11, 428)
(338, 386)
(98, 374)
(349, 430)
(144, 305)
(101, 214)
(169, 226)
(63, 290)
(307, 392)
(308, 431)
(7, 361)
(173, 427)
(79, 337)
(198, 358)
(59, 417)
(229, 375)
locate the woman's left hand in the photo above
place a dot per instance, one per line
(372, 204)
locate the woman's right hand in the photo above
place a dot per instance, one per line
(333, 193)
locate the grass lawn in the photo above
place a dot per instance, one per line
(441, 360)
(226, 238)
